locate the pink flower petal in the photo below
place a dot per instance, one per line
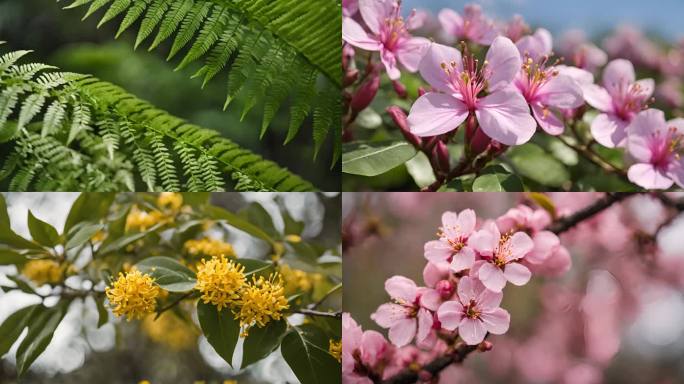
(598, 97)
(389, 314)
(402, 332)
(467, 220)
(488, 300)
(649, 177)
(483, 242)
(505, 117)
(677, 173)
(374, 13)
(450, 222)
(450, 314)
(647, 87)
(400, 287)
(389, 60)
(354, 34)
(431, 299)
(640, 133)
(434, 272)
(472, 331)
(451, 21)
(468, 289)
(496, 321)
(424, 324)
(609, 130)
(492, 277)
(435, 113)
(561, 92)
(545, 243)
(437, 251)
(504, 63)
(618, 73)
(678, 123)
(464, 259)
(430, 66)
(521, 244)
(535, 46)
(373, 345)
(580, 76)
(517, 273)
(548, 120)
(411, 52)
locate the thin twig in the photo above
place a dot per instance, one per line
(322, 299)
(567, 222)
(173, 304)
(311, 312)
(434, 367)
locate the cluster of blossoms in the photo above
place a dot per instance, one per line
(468, 267)
(170, 330)
(296, 280)
(133, 295)
(44, 271)
(518, 88)
(208, 246)
(169, 204)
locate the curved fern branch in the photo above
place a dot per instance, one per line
(78, 133)
(274, 50)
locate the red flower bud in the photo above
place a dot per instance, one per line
(399, 88)
(442, 153)
(365, 94)
(421, 91)
(350, 77)
(399, 118)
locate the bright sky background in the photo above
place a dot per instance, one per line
(593, 16)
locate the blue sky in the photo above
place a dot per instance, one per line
(594, 16)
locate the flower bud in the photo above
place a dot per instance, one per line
(442, 153)
(350, 77)
(399, 88)
(485, 346)
(479, 142)
(445, 289)
(363, 96)
(421, 91)
(399, 118)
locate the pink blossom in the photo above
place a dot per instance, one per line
(516, 28)
(502, 114)
(388, 34)
(534, 222)
(440, 285)
(453, 238)
(657, 147)
(403, 316)
(471, 26)
(619, 100)
(475, 313)
(581, 52)
(361, 351)
(545, 89)
(501, 255)
(350, 7)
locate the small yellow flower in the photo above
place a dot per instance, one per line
(220, 281)
(170, 200)
(44, 271)
(169, 330)
(295, 280)
(261, 301)
(133, 295)
(335, 349)
(99, 237)
(142, 220)
(208, 246)
(293, 239)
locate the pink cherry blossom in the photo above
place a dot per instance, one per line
(473, 25)
(534, 222)
(475, 313)
(657, 147)
(619, 100)
(361, 351)
(453, 238)
(461, 83)
(389, 34)
(545, 89)
(516, 28)
(501, 255)
(404, 316)
(350, 7)
(581, 52)
(440, 286)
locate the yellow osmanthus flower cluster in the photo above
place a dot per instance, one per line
(295, 280)
(133, 295)
(142, 220)
(170, 200)
(335, 349)
(99, 237)
(220, 281)
(44, 271)
(169, 330)
(261, 301)
(209, 246)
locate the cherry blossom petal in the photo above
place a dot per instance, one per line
(435, 272)
(598, 97)
(451, 21)
(472, 331)
(548, 120)
(483, 242)
(649, 177)
(521, 244)
(389, 60)
(424, 324)
(411, 52)
(678, 123)
(437, 251)
(561, 92)
(450, 314)
(430, 66)
(389, 314)
(640, 133)
(488, 300)
(467, 220)
(618, 73)
(435, 113)
(468, 289)
(535, 46)
(354, 34)
(545, 243)
(372, 346)
(517, 273)
(492, 277)
(676, 172)
(504, 63)
(402, 332)
(505, 117)
(647, 87)
(496, 321)
(374, 13)
(464, 259)
(450, 222)
(431, 299)
(580, 76)
(609, 130)
(400, 287)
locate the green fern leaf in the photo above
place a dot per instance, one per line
(114, 10)
(132, 16)
(170, 23)
(189, 26)
(31, 107)
(153, 17)
(54, 116)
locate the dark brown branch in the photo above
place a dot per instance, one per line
(434, 367)
(565, 223)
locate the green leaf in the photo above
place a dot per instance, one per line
(545, 202)
(292, 226)
(22, 285)
(116, 227)
(82, 235)
(372, 159)
(41, 329)
(533, 162)
(168, 273)
(103, 314)
(305, 349)
(420, 170)
(220, 328)
(497, 179)
(12, 327)
(88, 207)
(124, 241)
(4, 216)
(262, 341)
(42, 232)
(256, 267)
(257, 215)
(9, 257)
(11, 239)
(238, 222)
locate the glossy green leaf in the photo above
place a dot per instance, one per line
(11, 328)
(497, 179)
(372, 159)
(88, 207)
(533, 162)
(42, 232)
(305, 349)
(41, 328)
(9, 257)
(256, 267)
(126, 240)
(257, 215)
(168, 273)
(82, 234)
(262, 341)
(238, 222)
(102, 313)
(220, 328)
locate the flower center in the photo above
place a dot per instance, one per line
(471, 310)
(393, 29)
(470, 81)
(665, 148)
(534, 75)
(503, 251)
(457, 239)
(629, 101)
